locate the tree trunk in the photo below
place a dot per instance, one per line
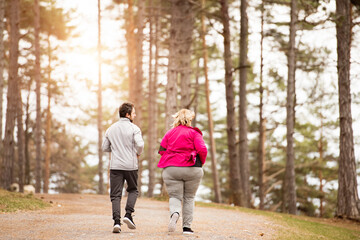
(209, 114)
(185, 26)
(262, 161)
(38, 96)
(130, 39)
(48, 124)
(2, 66)
(321, 158)
(235, 181)
(156, 68)
(262, 125)
(27, 138)
(243, 142)
(348, 199)
(47, 143)
(11, 95)
(21, 139)
(139, 77)
(196, 93)
(139, 62)
(171, 86)
(152, 129)
(290, 115)
(99, 119)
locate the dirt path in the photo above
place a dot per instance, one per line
(89, 217)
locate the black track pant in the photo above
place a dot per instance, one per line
(117, 179)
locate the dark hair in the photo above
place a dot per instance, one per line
(125, 108)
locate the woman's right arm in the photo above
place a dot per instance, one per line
(163, 145)
(200, 147)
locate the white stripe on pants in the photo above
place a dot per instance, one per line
(182, 184)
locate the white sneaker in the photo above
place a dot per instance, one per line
(116, 228)
(173, 220)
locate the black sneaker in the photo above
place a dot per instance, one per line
(116, 227)
(129, 221)
(187, 230)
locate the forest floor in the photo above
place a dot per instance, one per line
(75, 216)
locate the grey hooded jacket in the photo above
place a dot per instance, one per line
(123, 139)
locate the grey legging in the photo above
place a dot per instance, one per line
(182, 184)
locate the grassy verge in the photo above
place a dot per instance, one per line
(300, 227)
(11, 202)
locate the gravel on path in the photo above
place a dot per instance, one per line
(85, 216)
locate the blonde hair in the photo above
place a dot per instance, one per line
(183, 117)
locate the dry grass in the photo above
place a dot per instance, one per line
(12, 202)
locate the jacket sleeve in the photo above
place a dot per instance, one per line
(139, 142)
(163, 145)
(200, 147)
(106, 145)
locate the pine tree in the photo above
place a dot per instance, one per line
(38, 95)
(99, 120)
(54, 24)
(348, 198)
(139, 75)
(2, 66)
(243, 141)
(8, 160)
(235, 181)
(152, 105)
(208, 109)
(290, 192)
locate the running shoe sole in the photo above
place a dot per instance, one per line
(129, 223)
(173, 220)
(116, 229)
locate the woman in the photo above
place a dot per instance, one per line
(183, 153)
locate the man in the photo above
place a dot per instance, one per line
(123, 139)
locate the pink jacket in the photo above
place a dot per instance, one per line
(180, 146)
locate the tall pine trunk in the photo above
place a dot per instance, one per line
(47, 142)
(321, 159)
(130, 39)
(156, 69)
(185, 26)
(99, 115)
(2, 66)
(208, 109)
(27, 177)
(243, 142)
(290, 191)
(8, 161)
(38, 96)
(139, 62)
(20, 139)
(262, 123)
(139, 76)
(196, 93)
(235, 181)
(48, 123)
(152, 126)
(348, 199)
(171, 86)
